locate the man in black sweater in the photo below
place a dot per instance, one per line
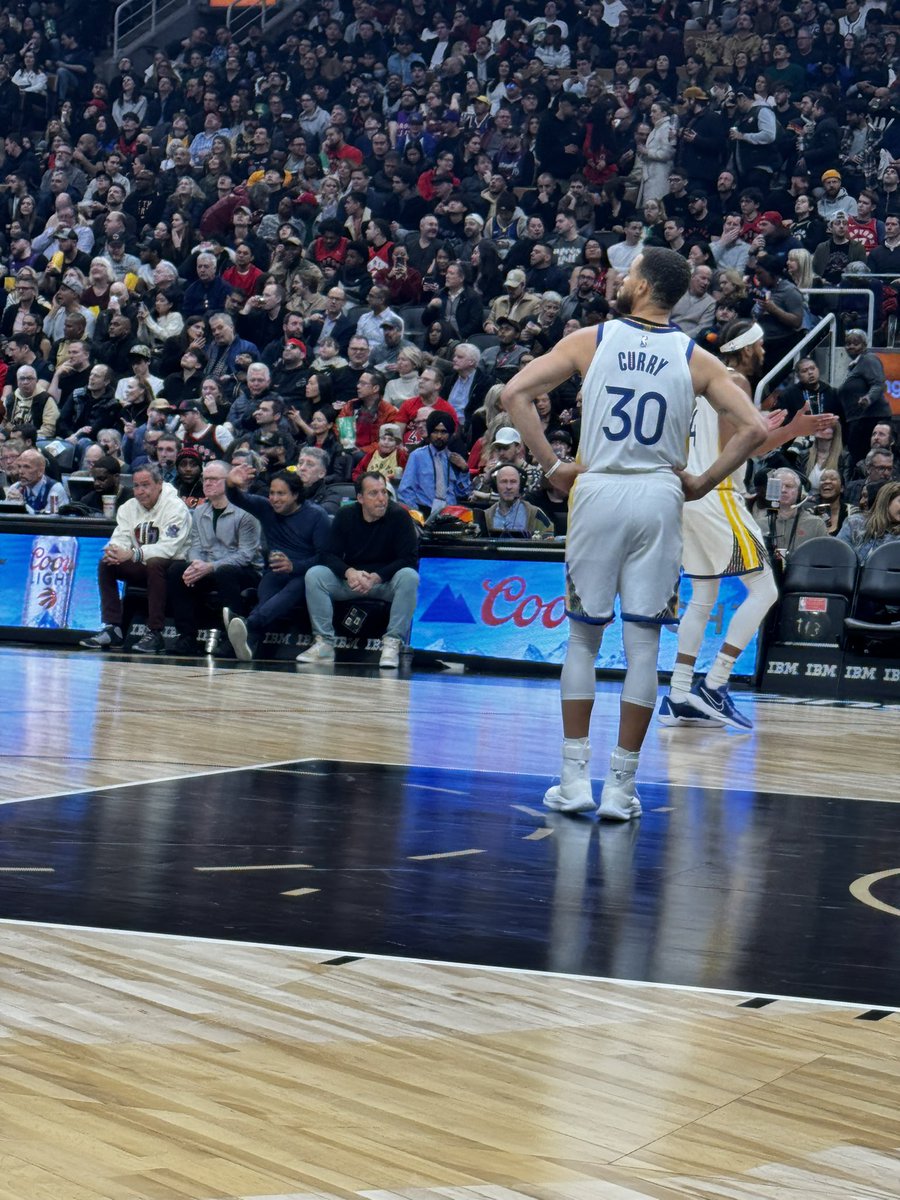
(372, 554)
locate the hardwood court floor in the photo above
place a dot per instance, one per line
(145, 1068)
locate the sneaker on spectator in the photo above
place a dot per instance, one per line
(227, 615)
(108, 638)
(151, 643)
(237, 635)
(390, 652)
(320, 651)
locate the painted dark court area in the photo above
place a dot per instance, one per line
(720, 889)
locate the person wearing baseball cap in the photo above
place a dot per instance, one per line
(503, 360)
(199, 434)
(774, 239)
(67, 254)
(752, 135)
(700, 146)
(517, 302)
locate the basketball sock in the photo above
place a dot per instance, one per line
(682, 681)
(720, 672)
(694, 620)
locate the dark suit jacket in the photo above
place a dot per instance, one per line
(342, 332)
(469, 311)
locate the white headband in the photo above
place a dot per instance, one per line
(748, 338)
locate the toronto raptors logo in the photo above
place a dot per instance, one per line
(47, 597)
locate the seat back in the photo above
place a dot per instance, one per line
(816, 593)
(821, 566)
(878, 594)
(412, 318)
(879, 582)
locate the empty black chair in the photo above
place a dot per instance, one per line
(484, 341)
(876, 610)
(817, 591)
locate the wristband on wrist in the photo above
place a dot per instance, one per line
(555, 467)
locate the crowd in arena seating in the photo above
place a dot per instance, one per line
(347, 231)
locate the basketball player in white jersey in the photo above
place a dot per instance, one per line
(641, 374)
(721, 539)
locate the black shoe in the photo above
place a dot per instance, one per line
(151, 643)
(109, 638)
(186, 646)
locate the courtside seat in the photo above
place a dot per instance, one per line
(876, 608)
(817, 592)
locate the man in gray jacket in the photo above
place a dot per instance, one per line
(224, 554)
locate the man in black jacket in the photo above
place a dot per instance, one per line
(372, 554)
(559, 139)
(823, 148)
(703, 141)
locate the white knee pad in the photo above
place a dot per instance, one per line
(578, 681)
(762, 592)
(704, 593)
(641, 643)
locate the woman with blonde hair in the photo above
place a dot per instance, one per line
(406, 384)
(800, 268)
(880, 525)
(731, 288)
(480, 461)
(824, 455)
(654, 216)
(483, 417)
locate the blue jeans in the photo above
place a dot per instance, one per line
(323, 587)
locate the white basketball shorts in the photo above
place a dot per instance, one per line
(624, 539)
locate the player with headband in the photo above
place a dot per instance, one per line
(721, 539)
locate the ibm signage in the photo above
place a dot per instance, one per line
(825, 672)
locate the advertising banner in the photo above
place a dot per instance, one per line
(515, 609)
(49, 581)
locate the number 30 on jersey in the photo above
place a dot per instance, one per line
(644, 417)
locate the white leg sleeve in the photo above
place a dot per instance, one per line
(578, 681)
(693, 622)
(762, 592)
(641, 644)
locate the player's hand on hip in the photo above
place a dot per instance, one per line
(695, 487)
(564, 476)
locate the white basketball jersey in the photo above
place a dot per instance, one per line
(705, 445)
(637, 398)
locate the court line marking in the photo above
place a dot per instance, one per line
(439, 963)
(108, 787)
(539, 775)
(861, 889)
(442, 854)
